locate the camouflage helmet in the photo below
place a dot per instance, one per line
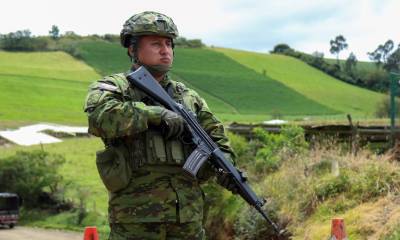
(148, 23)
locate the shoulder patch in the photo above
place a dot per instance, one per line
(107, 87)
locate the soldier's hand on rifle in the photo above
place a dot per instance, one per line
(170, 123)
(225, 180)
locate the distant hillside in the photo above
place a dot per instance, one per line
(51, 86)
(105, 57)
(310, 82)
(43, 86)
(228, 86)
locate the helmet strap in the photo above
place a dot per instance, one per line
(157, 70)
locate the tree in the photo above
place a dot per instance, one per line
(381, 53)
(393, 61)
(318, 59)
(30, 174)
(281, 48)
(351, 62)
(71, 35)
(337, 45)
(188, 43)
(54, 32)
(17, 41)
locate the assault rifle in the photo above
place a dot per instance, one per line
(206, 147)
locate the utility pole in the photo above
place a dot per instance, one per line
(394, 81)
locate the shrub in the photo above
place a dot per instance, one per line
(242, 149)
(31, 175)
(188, 43)
(281, 48)
(23, 41)
(374, 180)
(72, 49)
(383, 108)
(251, 225)
(271, 149)
(330, 186)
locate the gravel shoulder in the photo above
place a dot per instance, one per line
(24, 233)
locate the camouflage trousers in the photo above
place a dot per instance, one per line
(157, 231)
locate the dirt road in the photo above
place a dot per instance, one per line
(27, 233)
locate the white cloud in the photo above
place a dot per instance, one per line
(244, 24)
(364, 24)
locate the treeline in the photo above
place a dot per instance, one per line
(385, 56)
(23, 40)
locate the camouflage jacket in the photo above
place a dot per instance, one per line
(143, 190)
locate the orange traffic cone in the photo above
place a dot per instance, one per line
(91, 234)
(338, 231)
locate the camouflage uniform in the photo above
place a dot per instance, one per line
(150, 197)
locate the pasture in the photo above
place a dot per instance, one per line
(43, 86)
(310, 82)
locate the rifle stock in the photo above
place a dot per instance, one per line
(206, 149)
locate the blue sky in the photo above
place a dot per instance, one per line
(255, 25)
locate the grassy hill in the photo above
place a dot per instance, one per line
(310, 82)
(51, 86)
(221, 81)
(106, 58)
(45, 86)
(246, 90)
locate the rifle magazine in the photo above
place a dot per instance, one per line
(195, 161)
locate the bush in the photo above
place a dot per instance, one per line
(330, 186)
(188, 43)
(111, 38)
(377, 79)
(31, 175)
(281, 48)
(375, 180)
(23, 41)
(272, 149)
(72, 49)
(242, 149)
(383, 108)
(251, 225)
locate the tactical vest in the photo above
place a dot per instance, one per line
(127, 155)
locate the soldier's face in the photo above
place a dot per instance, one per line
(155, 50)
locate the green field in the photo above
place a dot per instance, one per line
(310, 82)
(109, 58)
(228, 87)
(45, 86)
(246, 90)
(51, 86)
(106, 58)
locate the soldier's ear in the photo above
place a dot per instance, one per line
(133, 54)
(131, 51)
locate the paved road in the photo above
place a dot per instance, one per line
(27, 233)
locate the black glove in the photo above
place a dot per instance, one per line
(225, 180)
(170, 123)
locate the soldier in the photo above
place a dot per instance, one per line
(150, 197)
